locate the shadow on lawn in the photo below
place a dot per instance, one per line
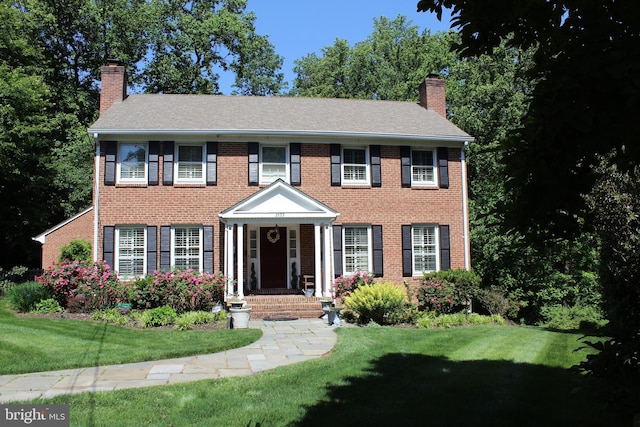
(418, 390)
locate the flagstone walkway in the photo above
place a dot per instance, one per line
(282, 343)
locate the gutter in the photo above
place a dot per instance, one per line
(282, 133)
(465, 210)
(96, 199)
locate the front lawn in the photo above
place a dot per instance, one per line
(478, 376)
(44, 344)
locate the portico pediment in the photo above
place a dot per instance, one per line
(278, 202)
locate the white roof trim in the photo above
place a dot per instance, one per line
(278, 202)
(41, 238)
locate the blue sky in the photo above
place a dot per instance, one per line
(298, 27)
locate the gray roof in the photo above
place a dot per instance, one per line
(218, 114)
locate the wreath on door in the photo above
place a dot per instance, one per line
(273, 235)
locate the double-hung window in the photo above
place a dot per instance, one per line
(130, 261)
(357, 253)
(273, 164)
(355, 166)
(132, 164)
(187, 248)
(424, 244)
(423, 167)
(190, 164)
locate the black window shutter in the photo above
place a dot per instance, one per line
(378, 264)
(407, 252)
(295, 153)
(165, 248)
(336, 162)
(152, 248)
(167, 165)
(108, 245)
(405, 164)
(154, 153)
(376, 172)
(207, 248)
(337, 250)
(253, 163)
(445, 248)
(110, 152)
(443, 166)
(212, 163)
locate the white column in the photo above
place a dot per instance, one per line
(228, 256)
(328, 258)
(318, 260)
(240, 260)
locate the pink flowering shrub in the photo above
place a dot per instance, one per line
(344, 285)
(448, 291)
(181, 290)
(86, 286)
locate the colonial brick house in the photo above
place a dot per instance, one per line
(270, 190)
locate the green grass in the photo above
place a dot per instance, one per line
(43, 344)
(479, 376)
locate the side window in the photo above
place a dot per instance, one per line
(190, 164)
(273, 163)
(355, 166)
(130, 251)
(187, 248)
(423, 167)
(356, 249)
(424, 244)
(132, 163)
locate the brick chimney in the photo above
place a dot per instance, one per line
(432, 94)
(114, 84)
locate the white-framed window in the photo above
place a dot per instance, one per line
(186, 245)
(423, 171)
(357, 245)
(131, 251)
(132, 163)
(190, 163)
(355, 166)
(424, 247)
(274, 163)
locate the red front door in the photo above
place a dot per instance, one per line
(273, 257)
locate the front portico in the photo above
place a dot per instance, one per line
(264, 236)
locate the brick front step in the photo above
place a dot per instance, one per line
(284, 306)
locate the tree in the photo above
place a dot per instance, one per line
(192, 40)
(577, 141)
(388, 65)
(50, 58)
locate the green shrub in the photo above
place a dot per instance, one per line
(458, 319)
(159, 316)
(187, 320)
(376, 302)
(496, 302)
(571, 318)
(9, 278)
(75, 251)
(111, 316)
(407, 314)
(47, 306)
(24, 297)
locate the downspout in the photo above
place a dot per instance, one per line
(96, 198)
(465, 209)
